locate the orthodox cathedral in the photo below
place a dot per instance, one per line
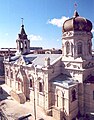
(62, 84)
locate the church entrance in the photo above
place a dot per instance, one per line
(20, 85)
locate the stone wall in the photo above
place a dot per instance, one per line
(89, 98)
(20, 97)
(55, 70)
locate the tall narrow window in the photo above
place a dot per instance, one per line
(67, 48)
(11, 74)
(18, 86)
(31, 83)
(25, 45)
(21, 46)
(6, 72)
(57, 100)
(93, 95)
(89, 47)
(40, 87)
(73, 95)
(79, 48)
(72, 49)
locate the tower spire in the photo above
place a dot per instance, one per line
(22, 29)
(23, 44)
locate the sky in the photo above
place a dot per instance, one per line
(43, 20)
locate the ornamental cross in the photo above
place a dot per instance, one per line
(75, 6)
(22, 20)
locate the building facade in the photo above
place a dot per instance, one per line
(62, 84)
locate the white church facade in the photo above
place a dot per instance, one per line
(62, 84)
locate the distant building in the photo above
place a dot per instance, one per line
(62, 84)
(12, 51)
(2, 75)
(36, 48)
(48, 51)
(7, 51)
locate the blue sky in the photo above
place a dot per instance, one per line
(42, 19)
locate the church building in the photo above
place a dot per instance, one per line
(62, 84)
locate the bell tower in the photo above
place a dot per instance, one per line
(23, 44)
(76, 40)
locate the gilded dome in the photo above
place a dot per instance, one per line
(77, 23)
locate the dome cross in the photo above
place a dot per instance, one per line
(22, 20)
(75, 6)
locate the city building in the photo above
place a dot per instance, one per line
(7, 51)
(2, 75)
(62, 84)
(48, 51)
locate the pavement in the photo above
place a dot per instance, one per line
(14, 110)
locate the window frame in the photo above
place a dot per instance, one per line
(79, 48)
(67, 47)
(40, 87)
(11, 74)
(73, 94)
(30, 83)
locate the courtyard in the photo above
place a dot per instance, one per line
(14, 111)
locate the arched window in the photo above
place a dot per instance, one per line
(67, 48)
(11, 74)
(31, 83)
(79, 48)
(72, 49)
(25, 45)
(6, 72)
(40, 87)
(57, 99)
(21, 44)
(89, 47)
(19, 87)
(73, 95)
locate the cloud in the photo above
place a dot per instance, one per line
(57, 40)
(35, 37)
(58, 22)
(6, 34)
(92, 30)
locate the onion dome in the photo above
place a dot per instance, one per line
(77, 23)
